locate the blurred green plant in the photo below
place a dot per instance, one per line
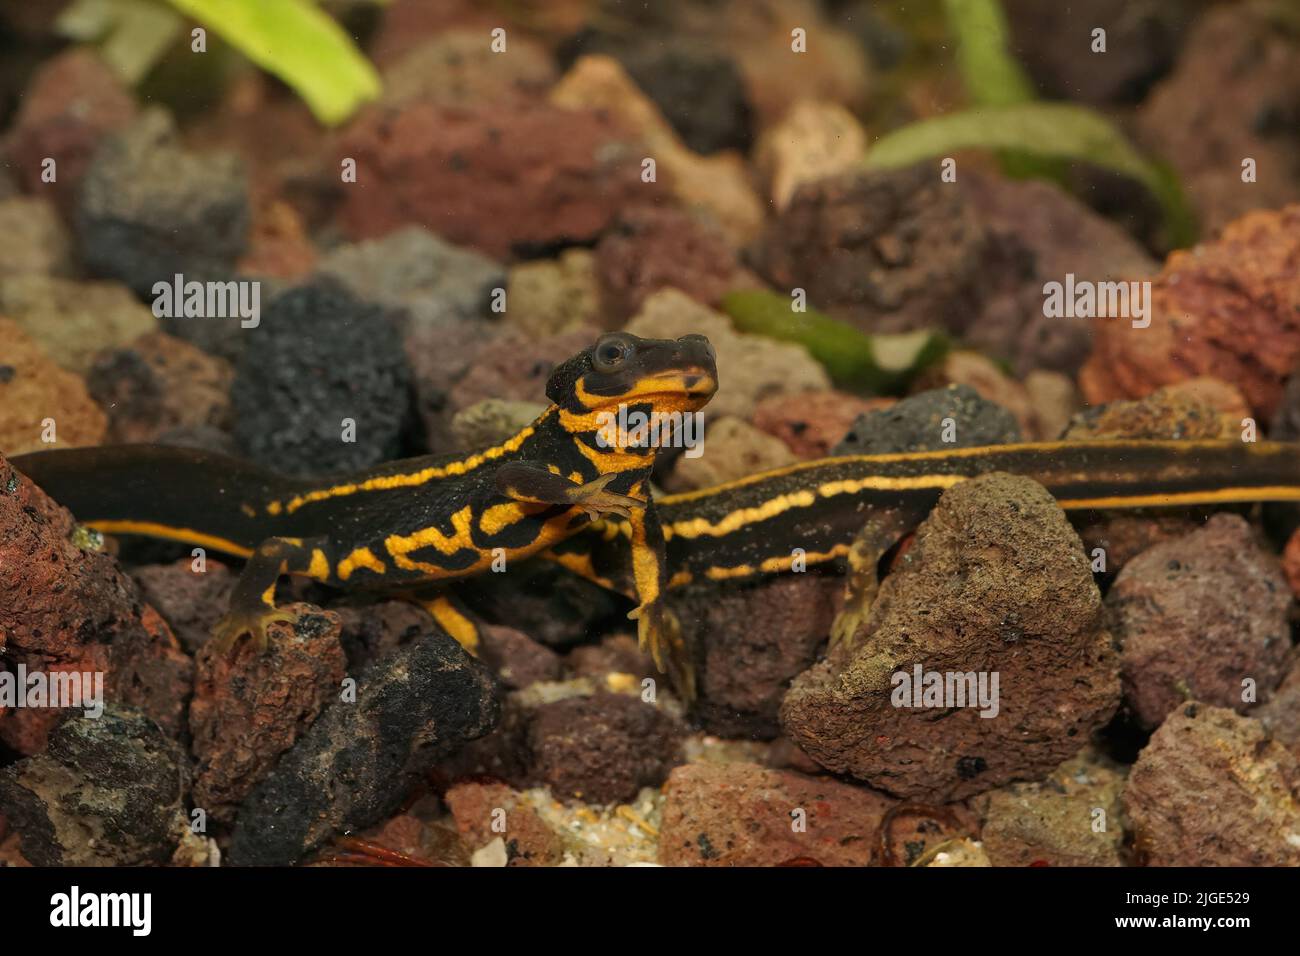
(1057, 130)
(875, 364)
(291, 39)
(1032, 138)
(991, 75)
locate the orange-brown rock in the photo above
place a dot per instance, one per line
(1228, 308)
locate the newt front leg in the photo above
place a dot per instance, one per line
(533, 483)
(252, 604)
(658, 630)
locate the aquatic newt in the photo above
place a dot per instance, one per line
(436, 519)
(408, 525)
(853, 509)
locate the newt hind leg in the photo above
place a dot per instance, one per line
(252, 604)
(452, 617)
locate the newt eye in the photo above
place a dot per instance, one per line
(610, 352)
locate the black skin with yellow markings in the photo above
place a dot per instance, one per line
(833, 510)
(408, 524)
(753, 526)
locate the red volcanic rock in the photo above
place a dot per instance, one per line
(500, 179)
(1228, 308)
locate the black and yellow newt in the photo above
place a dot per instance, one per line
(435, 519)
(411, 524)
(853, 509)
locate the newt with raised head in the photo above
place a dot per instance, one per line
(434, 520)
(413, 525)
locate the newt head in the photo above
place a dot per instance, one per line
(621, 369)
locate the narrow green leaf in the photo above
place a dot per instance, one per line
(1059, 130)
(993, 77)
(874, 364)
(300, 44)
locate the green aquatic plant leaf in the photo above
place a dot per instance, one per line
(876, 364)
(992, 76)
(297, 42)
(1056, 130)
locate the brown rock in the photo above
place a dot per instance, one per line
(553, 296)
(1291, 562)
(110, 791)
(55, 598)
(885, 251)
(1228, 308)
(1141, 46)
(150, 673)
(833, 67)
(499, 180)
(1254, 817)
(33, 240)
(458, 67)
(73, 321)
(407, 24)
(1280, 714)
(752, 641)
(995, 583)
(982, 374)
(650, 249)
(1197, 409)
(1121, 536)
(488, 811)
(516, 658)
(815, 422)
(159, 383)
(34, 389)
(1054, 400)
(735, 449)
(69, 106)
(616, 654)
(279, 247)
(1038, 234)
(251, 707)
(191, 602)
(516, 367)
(26, 730)
(68, 609)
(814, 140)
(745, 815)
(1197, 616)
(1253, 66)
(602, 748)
(1073, 818)
(407, 834)
(715, 186)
